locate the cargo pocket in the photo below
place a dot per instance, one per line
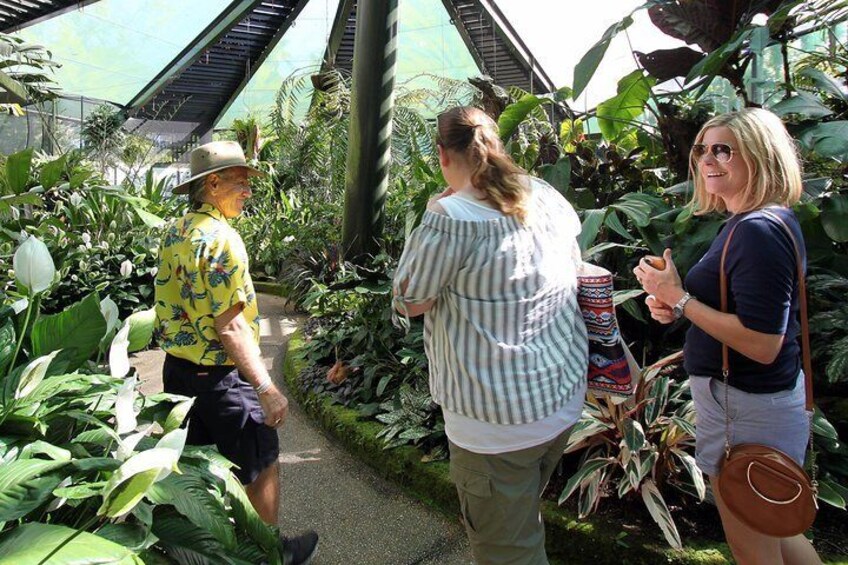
(475, 494)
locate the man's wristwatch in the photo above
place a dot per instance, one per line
(677, 309)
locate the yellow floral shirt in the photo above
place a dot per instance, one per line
(202, 274)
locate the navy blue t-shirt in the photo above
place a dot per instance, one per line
(762, 290)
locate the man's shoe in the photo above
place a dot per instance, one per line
(299, 550)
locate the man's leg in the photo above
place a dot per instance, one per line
(264, 493)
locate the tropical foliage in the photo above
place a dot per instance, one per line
(27, 71)
(630, 184)
(638, 447)
(101, 236)
(91, 470)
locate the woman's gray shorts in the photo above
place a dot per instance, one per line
(777, 420)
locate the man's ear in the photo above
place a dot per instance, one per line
(213, 184)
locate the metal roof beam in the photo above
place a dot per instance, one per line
(30, 12)
(337, 32)
(251, 69)
(229, 17)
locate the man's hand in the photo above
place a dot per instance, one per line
(275, 405)
(238, 341)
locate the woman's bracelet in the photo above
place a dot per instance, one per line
(264, 385)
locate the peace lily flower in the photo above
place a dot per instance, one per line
(126, 268)
(34, 268)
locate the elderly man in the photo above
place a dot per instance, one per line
(208, 324)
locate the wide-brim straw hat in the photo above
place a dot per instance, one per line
(213, 157)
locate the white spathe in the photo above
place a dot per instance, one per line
(34, 268)
(119, 361)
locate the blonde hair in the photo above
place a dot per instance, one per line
(471, 133)
(772, 159)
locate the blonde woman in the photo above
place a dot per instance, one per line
(743, 163)
(493, 266)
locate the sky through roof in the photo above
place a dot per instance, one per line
(112, 48)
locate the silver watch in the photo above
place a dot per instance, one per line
(677, 309)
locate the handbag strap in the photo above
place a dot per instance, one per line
(805, 336)
(802, 292)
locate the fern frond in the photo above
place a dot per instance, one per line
(837, 368)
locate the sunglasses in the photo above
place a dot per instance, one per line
(722, 152)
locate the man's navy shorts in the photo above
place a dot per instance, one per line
(226, 413)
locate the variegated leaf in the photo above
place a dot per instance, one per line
(694, 472)
(660, 513)
(590, 466)
(633, 434)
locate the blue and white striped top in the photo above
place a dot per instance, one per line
(505, 339)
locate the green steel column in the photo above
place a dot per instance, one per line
(370, 132)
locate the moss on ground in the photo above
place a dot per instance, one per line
(590, 541)
(266, 287)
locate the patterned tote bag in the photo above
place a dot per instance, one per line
(612, 368)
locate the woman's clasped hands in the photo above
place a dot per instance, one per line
(663, 286)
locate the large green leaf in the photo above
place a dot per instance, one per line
(78, 328)
(187, 542)
(713, 63)
(515, 113)
(7, 344)
(613, 222)
(639, 207)
(590, 494)
(585, 429)
(592, 222)
(23, 486)
(558, 175)
(132, 536)
(833, 493)
(39, 447)
(189, 494)
(129, 484)
(150, 219)
(834, 217)
(588, 64)
(246, 517)
(141, 329)
(18, 166)
(825, 82)
(177, 415)
(51, 173)
(617, 113)
(828, 139)
(31, 544)
(803, 104)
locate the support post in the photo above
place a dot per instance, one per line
(370, 131)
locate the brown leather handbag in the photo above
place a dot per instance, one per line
(764, 488)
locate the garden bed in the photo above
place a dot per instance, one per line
(620, 533)
(602, 538)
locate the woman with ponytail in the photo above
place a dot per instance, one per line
(493, 266)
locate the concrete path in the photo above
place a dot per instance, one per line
(361, 518)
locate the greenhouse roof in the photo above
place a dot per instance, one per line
(205, 78)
